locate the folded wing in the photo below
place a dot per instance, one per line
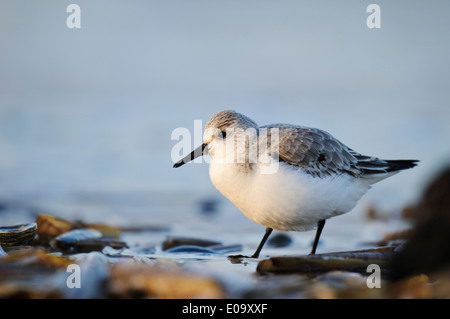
(318, 153)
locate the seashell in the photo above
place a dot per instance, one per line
(17, 235)
(171, 242)
(78, 235)
(84, 240)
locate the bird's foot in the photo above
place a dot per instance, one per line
(237, 259)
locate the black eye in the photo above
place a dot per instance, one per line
(223, 134)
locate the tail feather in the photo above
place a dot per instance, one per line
(381, 169)
(398, 165)
(370, 166)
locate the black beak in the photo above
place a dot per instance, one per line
(194, 154)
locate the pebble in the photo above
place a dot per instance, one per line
(279, 240)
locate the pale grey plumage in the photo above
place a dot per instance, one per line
(319, 154)
(313, 150)
(228, 118)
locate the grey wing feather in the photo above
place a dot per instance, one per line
(315, 151)
(318, 153)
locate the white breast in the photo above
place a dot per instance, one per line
(288, 199)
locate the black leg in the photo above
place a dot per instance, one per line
(263, 241)
(320, 225)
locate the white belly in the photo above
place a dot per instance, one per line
(288, 199)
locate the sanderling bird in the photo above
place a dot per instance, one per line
(317, 176)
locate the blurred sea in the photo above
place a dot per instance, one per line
(86, 115)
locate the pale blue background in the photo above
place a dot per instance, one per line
(91, 111)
